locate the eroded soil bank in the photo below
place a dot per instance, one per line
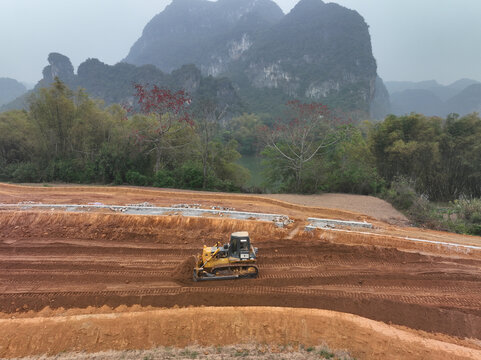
(92, 330)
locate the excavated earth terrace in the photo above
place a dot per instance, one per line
(65, 260)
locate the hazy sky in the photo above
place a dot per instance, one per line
(412, 39)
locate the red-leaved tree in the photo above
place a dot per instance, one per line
(169, 115)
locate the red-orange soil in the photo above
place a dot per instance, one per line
(75, 260)
(95, 330)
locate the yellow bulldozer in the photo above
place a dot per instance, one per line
(230, 261)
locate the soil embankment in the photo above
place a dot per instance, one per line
(147, 328)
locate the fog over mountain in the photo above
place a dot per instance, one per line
(317, 52)
(437, 44)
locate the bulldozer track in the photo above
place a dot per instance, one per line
(446, 291)
(88, 243)
(256, 290)
(90, 272)
(77, 260)
(33, 251)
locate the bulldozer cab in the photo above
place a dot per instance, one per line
(239, 245)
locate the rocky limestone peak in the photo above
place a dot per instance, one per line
(229, 10)
(308, 4)
(268, 9)
(207, 34)
(60, 66)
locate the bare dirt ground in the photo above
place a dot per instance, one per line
(76, 260)
(369, 205)
(13, 194)
(346, 205)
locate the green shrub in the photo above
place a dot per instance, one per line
(326, 354)
(134, 178)
(85, 172)
(469, 216)
(401, 194)
(475, 229)
(190, 176)
(62, 170)
(118, 178)
(6, 171)
(164, 179)
(469, 209)
(24, 172)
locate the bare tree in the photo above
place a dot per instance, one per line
(209, 117)
(306, 131)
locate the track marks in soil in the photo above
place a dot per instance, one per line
(151, 263)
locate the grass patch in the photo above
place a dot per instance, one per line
(190, 354)
(242, 351)
(326, 354)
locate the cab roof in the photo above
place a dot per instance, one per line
(240, 234)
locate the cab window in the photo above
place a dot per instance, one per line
(244, 244)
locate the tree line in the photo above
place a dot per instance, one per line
(166, 140)
(441, 158)
(69, 137)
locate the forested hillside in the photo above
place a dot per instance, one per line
(114, 84)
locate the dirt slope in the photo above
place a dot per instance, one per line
(147, 328)
(369, 205)
(166, 197)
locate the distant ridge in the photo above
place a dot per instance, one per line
(433, 99)
(10, 89)
(115, 83)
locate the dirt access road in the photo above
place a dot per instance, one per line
(76, 260)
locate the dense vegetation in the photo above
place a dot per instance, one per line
(428, 166)
(440, 157)
(66, 136)
(433, 167)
